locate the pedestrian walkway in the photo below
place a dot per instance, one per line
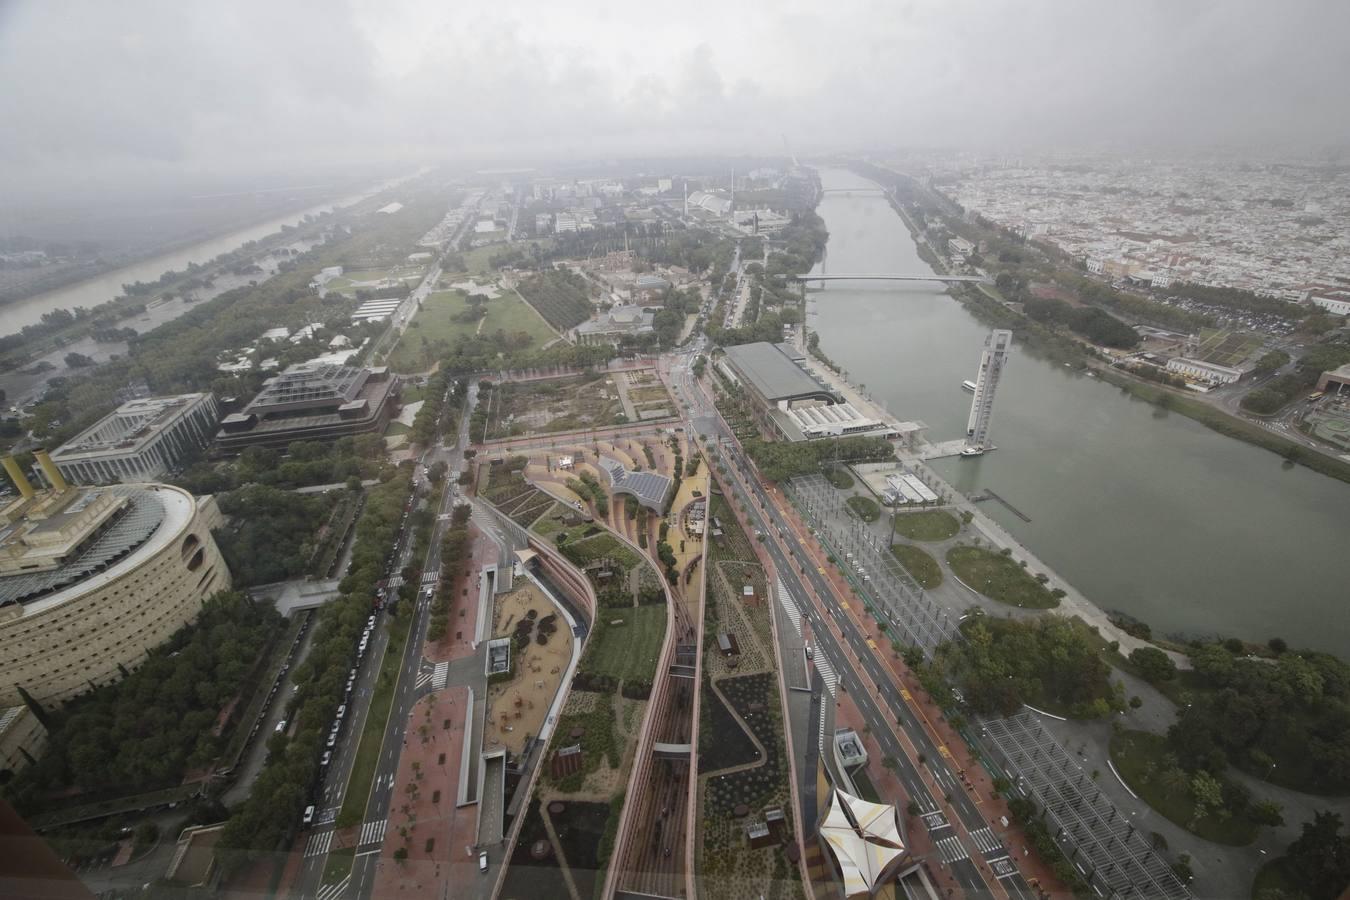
(319, 843)
(436, 676)
(950, 848)
(372, 832)
(987, 842)
(826, 672)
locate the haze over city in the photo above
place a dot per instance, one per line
(160, 90)
(607, 451)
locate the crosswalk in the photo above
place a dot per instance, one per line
(318, 843)
(372, 832)
(334, 891)
(437, 676)
(988, 843)
(827, 673)
(430, 577)
(950, 849)
(789, 605)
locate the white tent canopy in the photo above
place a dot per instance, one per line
(865, 839)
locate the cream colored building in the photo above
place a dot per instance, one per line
(92, 579)
(22, 738)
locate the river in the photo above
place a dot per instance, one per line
(1144, 511)
(102, 288)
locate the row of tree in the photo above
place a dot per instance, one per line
(780, 460)
(1091, 323)
(561, 296)
(1048, 661)
(271, 535)
(279, 794)
(455, 549)
(302, 464)
(147, 730)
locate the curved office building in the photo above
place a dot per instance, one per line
(92, 579)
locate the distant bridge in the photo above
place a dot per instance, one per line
(857, 190)
(945, 279)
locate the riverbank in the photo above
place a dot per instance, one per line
(1074, 604)
(982, 301)
(1150, 514)
(182, 259)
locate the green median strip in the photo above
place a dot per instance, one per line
(339, 865)
(377, 720)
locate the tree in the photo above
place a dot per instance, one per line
(1266, 812)
(1153, 664)
(78, 361)
(1207, 794)
(1321, 856)
(1270, 362)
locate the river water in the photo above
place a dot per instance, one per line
(102, 288)
(1145, 512)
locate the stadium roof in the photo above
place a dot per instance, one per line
(865, 839)
(152, 515)
(772, 373)
(650, 488)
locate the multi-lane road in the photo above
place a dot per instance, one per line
(843, 655)
(370, 835)
(958, 829)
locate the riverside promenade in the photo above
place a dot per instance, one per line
(1073, 603)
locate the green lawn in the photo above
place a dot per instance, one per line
(920, 564)
(433, 327)
(372, 734)
(339, 864)
(511, 314)
(1138, 757)
(839, 477)
(865, 508)
(476, 261)
(927, 525)
(629, 650)
(999, 578)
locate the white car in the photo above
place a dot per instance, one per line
(309, 814)
(482, 861)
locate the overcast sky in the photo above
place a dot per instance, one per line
(100, 90)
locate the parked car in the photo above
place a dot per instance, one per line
(482, 861)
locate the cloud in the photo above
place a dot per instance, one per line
(95, 90)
